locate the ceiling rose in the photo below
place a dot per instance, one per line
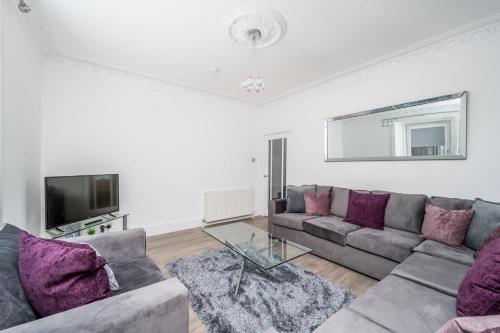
(271, 24)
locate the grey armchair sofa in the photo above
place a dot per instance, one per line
(419, 278)
(145, 303)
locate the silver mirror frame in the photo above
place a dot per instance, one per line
(463, 95)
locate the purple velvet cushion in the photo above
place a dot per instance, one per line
(446, 226)
(494, 235)
(367, 209)
(57, 276)
(479, 291)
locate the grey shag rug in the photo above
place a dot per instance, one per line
(296, 301)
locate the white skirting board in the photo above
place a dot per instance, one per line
(164, 228)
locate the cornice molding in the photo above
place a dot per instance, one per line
(113, 72)
(476, 33)
(400, 60)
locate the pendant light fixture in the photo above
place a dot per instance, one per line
(255, 28)
(253, 83)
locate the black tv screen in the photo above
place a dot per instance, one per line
(74, 198)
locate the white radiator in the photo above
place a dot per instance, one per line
(228, 205)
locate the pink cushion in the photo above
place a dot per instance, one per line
(317, 203)
(57, 276)
(446, 226)
(482, 324)
(367, 209)
(479, 291)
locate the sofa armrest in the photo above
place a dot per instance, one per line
(160, 307)
(276, 206)
(117, 245)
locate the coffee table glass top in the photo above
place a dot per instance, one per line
(262, 248)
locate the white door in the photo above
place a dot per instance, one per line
(274, 178)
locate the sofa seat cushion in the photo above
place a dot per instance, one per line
(14, 307)
(291, 220)
(331, 228)
(347, 321)
(401, 305)
(135, 273)
(390, 243)
(436, 273)
(462, 255)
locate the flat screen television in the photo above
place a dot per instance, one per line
(70, 199)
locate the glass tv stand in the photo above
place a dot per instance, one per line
(81, 228)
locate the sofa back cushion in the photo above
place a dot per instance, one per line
(340, 201)
(58, 276)
(451, 203)
(486, 219)
(295, 198)
(405, 211)
(14, 307)
(324, 188)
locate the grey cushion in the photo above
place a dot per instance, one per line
(436, 273)
(451, 203)
(462, 255)
(135, 273)
(331, 228)
(291, 220)
(401, 305)
(405, 211)
(389, 243)
(340, 200)
(14, 307)
(486, 219)
(295, 197)
(347, 321)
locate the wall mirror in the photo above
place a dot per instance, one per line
(430, 129)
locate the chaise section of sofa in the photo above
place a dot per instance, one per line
(145, 303)
(418, 296)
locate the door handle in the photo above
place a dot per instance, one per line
(265, 176)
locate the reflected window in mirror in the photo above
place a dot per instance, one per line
(434, 128)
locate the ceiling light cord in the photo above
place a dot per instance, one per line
(253, 83)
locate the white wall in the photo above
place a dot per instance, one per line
(20, 122)
(475, 69)
(169, 144)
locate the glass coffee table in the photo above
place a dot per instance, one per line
(255, 245)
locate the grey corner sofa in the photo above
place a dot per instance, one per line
(419, 278)
(145, 303)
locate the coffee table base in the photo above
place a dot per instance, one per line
(244, 262)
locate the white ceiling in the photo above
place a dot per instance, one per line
(178, 41)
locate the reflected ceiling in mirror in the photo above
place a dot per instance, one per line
(430, 129)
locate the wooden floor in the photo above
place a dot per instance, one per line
(169, 247)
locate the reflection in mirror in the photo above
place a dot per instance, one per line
(434, 128)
